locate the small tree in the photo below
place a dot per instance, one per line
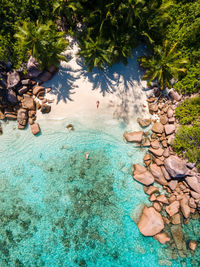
(164, 65)
(42, 41)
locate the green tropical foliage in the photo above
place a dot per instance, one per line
(163, 65)
(189, 111)
(42, 41)
(187, 143)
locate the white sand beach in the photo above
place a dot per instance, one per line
(75, 91)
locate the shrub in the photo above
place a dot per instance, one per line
(188, 111)
(187, 143)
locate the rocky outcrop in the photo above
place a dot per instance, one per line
(184, 207)
(142, 175)
(169, 129)
(175, 166)
(151, 222)
(156, 152)
(174, 95)
(135, 137)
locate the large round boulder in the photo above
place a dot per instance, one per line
(151, 222)
(175, 166)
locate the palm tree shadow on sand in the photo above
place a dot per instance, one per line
(122, 81)
(63, 84)
(119, 75)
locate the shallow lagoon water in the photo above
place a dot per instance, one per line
(59, 209)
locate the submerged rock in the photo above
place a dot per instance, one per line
(151, 222)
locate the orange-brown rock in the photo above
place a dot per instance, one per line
(142, 175)
(156, 152)
(184, 207)
(165, 173)
(157, 173)
(157, 206)
(157, 127)
(151, 222)
(172, 184)
(166, 220)
(151, 189)
(173, 208)
(164, 119)
(162, 199)
(134, 136)
(155, 144)
(152, 198)
(35, 128)
(192, 245)
(169, 129)
(159, 162)
(144, 122)
(193, 183)
(37, 89)
(162, 238)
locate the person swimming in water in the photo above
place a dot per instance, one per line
(87, 155)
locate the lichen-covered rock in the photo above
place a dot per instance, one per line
(22, 116)
(151, 222)
(12, 97)
(175, 166)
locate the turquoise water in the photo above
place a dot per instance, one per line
(59, 209)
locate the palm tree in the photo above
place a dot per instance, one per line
(42, 41)
(164, 65)
(95, 53)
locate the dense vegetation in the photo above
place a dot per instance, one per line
(189, 111)
(108, 31)
(187, 141)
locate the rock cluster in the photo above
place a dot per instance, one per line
(180, 180)
(21, 95)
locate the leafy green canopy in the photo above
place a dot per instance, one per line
(187, 143)
(189, 111)
(185, 29)
(164, 65)
(42, 41)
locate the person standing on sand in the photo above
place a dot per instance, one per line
(97, 103)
